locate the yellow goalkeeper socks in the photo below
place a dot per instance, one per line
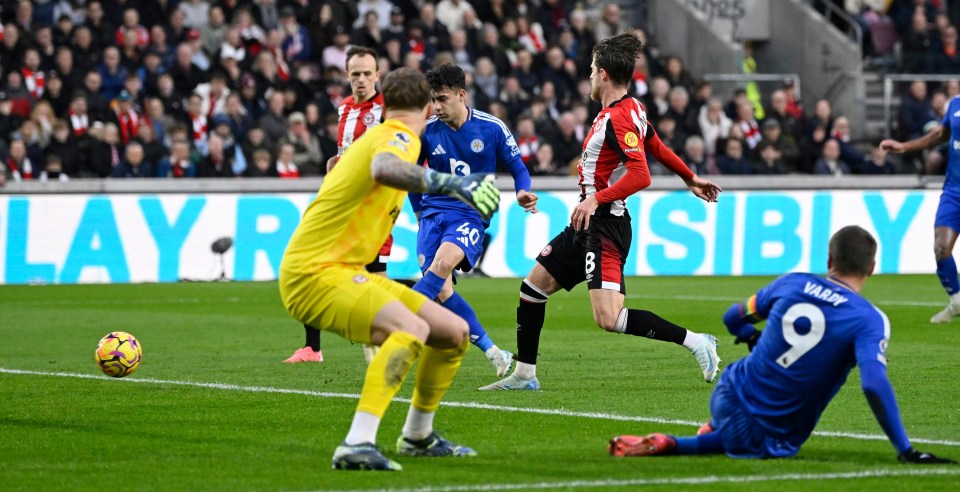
(387, 371)
(434, 375)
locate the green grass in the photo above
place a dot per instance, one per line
(63, 433)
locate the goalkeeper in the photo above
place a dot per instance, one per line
(323, 281)
(767, 404)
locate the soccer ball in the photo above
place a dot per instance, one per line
(118, 354)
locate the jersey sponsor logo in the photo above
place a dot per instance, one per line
(439, 150)
(398, 144)
(476, 145)
(512, 143)
(631, 139)
(957, 113)
(359, 279)
(546, 250)
(368, 119)
(956, 145)
(631, 149)
(459, 168)
(403, 137)
(598, 123)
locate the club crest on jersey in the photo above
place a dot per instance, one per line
(421, 259)
(546, 250)
(476, 145)
(403, 137)
(631, 139)
(368, 119)
(359, 279)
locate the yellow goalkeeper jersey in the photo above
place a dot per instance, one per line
(352, 214)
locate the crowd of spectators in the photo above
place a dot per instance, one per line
(196, 88)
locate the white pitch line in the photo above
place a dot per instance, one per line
(738, 299)
(454, 404)
(702, 480)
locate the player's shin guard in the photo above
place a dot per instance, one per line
(643, 323)
(530, 314)
(387, 371)
(460, 307)
(947, 272)
(429, 285)
(435, 373)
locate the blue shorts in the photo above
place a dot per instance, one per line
(948, 212)
(742, 435)
(464, 230)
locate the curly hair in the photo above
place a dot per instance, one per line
(447, 76)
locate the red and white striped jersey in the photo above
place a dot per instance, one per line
(615, 142)
(355, 119)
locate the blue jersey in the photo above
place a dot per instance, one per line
(481, 143)
(817, 330)
(951, 120)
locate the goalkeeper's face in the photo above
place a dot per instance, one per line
(449, 105)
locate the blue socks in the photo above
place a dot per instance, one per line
(706, 444)
(430, 285)
(478, 336)
(947, 272)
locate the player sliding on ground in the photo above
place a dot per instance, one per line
(767, 404)
(594, 247)
(461, 141)
(323, 281)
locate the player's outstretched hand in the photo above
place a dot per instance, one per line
(892, 146)
(476, 190)
(916, 457)
(705, 189)
(527, 200)
(751, 339)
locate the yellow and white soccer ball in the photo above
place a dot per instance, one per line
(118, 354)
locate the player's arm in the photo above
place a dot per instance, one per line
(621, 136)
(705, 189)
(933, 138)
(739, 320)
(509, 154)
(872, 359)
(476, 190)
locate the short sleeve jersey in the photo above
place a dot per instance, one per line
(352, 214)
(355, 119)
(817, 330)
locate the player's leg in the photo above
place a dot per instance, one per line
(945, 237)
(445, 243)
(557, 267)
(607, 245)
(310, 352)
(439, 363)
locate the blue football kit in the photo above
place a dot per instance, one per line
(480, 145)
(768, 403)
(948, 210)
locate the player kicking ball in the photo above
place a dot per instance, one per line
(594, 247)
(767, 404)
(461, 141)
(323, 281)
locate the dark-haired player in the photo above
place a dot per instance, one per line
(594, 247)
(767, 404)
(461, 141)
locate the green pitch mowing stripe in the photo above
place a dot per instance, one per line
(705, 480)
(452, 404)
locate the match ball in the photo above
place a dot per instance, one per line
(118, 354)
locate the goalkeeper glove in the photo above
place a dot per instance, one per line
(913, 456)
(751, 339)
(476, 190)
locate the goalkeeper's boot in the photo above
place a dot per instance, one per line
(947, 314)
(706, 353)
(501, 360)
(514, 382)
(432, 445)
(649, 445)
(365, 456)
(305, 354)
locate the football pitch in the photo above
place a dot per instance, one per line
(212, 407)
